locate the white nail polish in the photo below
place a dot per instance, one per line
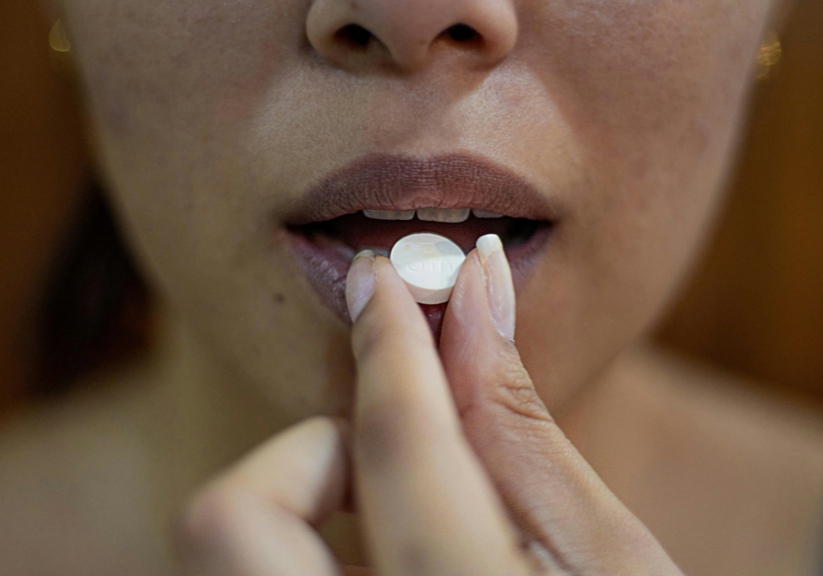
(499, 285)
(488, 244)
(360, 283)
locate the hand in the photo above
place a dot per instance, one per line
(457, 466)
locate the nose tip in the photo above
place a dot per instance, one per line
(409, 33)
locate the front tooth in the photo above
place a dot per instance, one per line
(389, 214)
(449, 215)
(485, 214)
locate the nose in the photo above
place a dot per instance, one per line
(408, 33)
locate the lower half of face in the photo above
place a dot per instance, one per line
(243, 142)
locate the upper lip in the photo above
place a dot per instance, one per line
(391, 182)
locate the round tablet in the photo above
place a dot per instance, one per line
(428, 264)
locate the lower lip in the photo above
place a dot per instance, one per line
(326, 271)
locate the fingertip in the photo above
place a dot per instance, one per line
(388, 282)
(389, 279)
(344, 430)
(467, 313)
(360, 283)
(391, 313)
(392, 300)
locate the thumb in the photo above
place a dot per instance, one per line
(553, 495)
(503, 417)
(477, 340)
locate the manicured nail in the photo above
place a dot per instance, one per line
(360, 283)
(499, 286)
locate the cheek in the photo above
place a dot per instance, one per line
(653, 92)
(170, 85)
(632, 67)
(646, 84)
(155, 66)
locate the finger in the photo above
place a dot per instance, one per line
(427, 505)
(549, 489)
(259, 518)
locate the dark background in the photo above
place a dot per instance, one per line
(754, 306)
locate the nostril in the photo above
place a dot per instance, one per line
(354, 36)
(462, 33)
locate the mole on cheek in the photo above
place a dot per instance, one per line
(279, 299)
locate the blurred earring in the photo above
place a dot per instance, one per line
(58, 39)
(61, 56)
(768, 56)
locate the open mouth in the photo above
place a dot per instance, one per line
(375, 203)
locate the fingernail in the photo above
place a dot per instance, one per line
(360, 283)
(499, 286)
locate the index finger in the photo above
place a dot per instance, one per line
(428, 506)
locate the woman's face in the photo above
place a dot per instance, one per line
(611, 122)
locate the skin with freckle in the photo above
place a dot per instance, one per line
(211, 118)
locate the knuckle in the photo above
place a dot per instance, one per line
(642, 543)
(635, 551)
(514, 392)
(321, 427)
(205, 523)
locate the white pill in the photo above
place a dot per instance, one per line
(428, 264)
